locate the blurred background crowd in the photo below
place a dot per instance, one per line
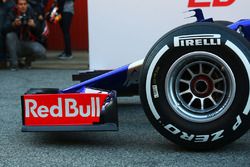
(24, 30)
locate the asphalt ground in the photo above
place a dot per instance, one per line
(135, 144)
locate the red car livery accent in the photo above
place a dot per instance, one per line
(209, 3)
(62, 109)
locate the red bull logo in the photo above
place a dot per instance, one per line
(62, 109)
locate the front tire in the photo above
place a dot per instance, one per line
(223, 22)
(194, 86)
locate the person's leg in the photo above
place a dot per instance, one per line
(32, 51)
(12, 48)
(2, 53)
(2, 45)
(65, 26)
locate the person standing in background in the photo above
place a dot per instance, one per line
(66, 8)
(5, 7)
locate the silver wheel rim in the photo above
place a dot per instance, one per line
(200, 86)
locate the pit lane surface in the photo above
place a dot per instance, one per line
(136, 144)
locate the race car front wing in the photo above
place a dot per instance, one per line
(91, 110)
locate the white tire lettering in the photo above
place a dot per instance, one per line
(187, 137)
(238, 123)
(172, 129)
(148, 81)
(244, 60)
(201, 138)
(246, 112)
(217, 135)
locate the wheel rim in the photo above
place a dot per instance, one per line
(200, 87)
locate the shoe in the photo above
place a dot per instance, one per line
(64, 56)
(28, 61)
(13, 68)
(21, 65)
(61, 54)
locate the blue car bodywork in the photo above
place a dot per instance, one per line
(124, 80)
(244, 25)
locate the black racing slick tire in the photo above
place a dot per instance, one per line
(194, 86)
(223, 22)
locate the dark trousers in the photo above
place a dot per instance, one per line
(28, 49)
(2, 51)
(65, 26)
